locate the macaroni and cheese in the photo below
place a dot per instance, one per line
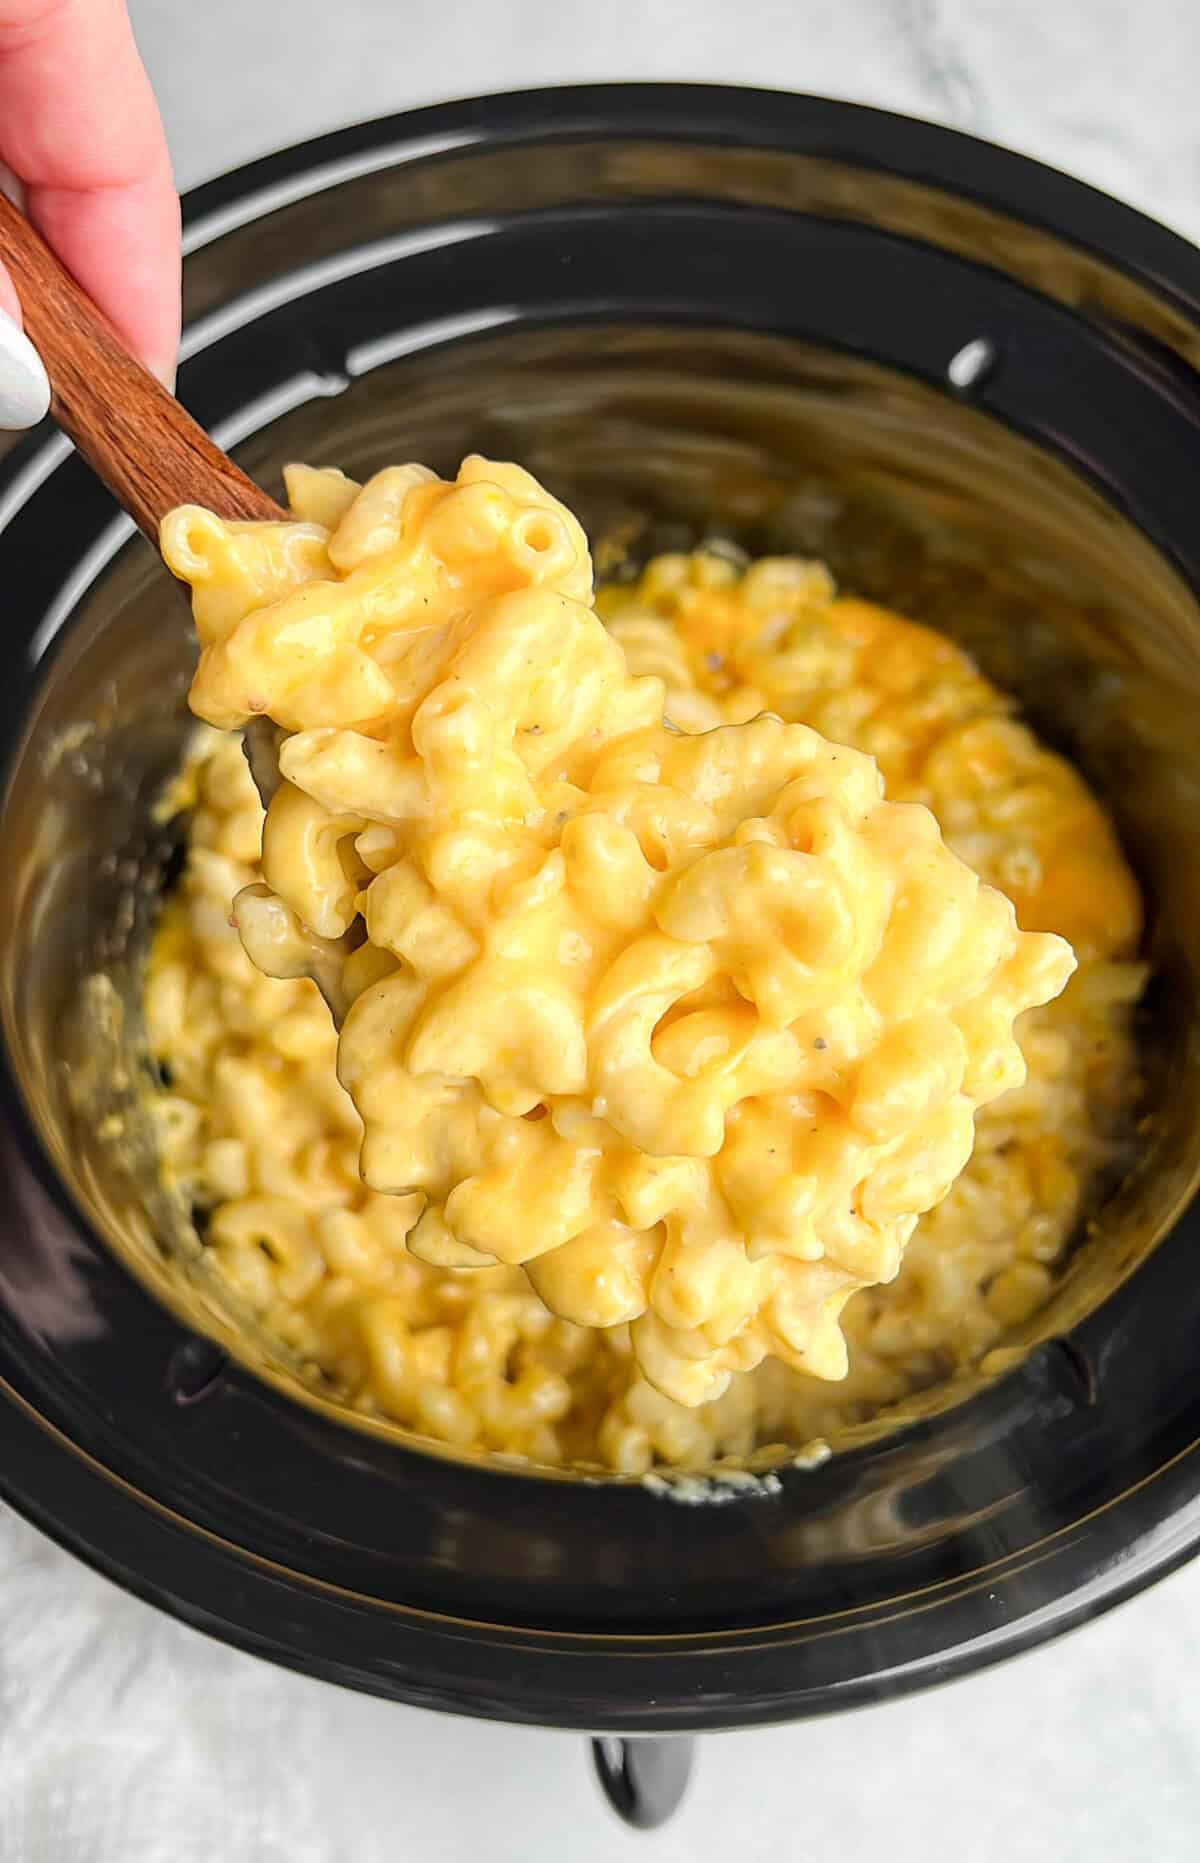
(691, 1024)
(258, 1133)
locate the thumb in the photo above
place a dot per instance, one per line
(24, 389)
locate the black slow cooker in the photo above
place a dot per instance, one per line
(968, 383)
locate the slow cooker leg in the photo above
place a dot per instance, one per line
(643, 1779)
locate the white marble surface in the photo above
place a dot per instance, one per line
(125, 1738)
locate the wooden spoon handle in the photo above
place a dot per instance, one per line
(135, 436)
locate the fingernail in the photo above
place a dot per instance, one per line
(24, 388)
(12, 185)
(166, 373)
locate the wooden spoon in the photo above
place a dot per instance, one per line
(150, 454)
(135, 436)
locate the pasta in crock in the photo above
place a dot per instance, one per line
(471, 1357)
(692, 1025)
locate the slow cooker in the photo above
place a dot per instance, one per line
(968, 383)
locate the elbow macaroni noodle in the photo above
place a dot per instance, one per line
(257, 1131)
(682, 1017)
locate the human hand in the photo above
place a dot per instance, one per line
(80, 133)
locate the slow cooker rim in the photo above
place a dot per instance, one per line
(799, 122)
(603, 1694)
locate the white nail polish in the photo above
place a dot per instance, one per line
(12, 186)
(24, 389)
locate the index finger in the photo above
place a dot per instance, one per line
(80, 127)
